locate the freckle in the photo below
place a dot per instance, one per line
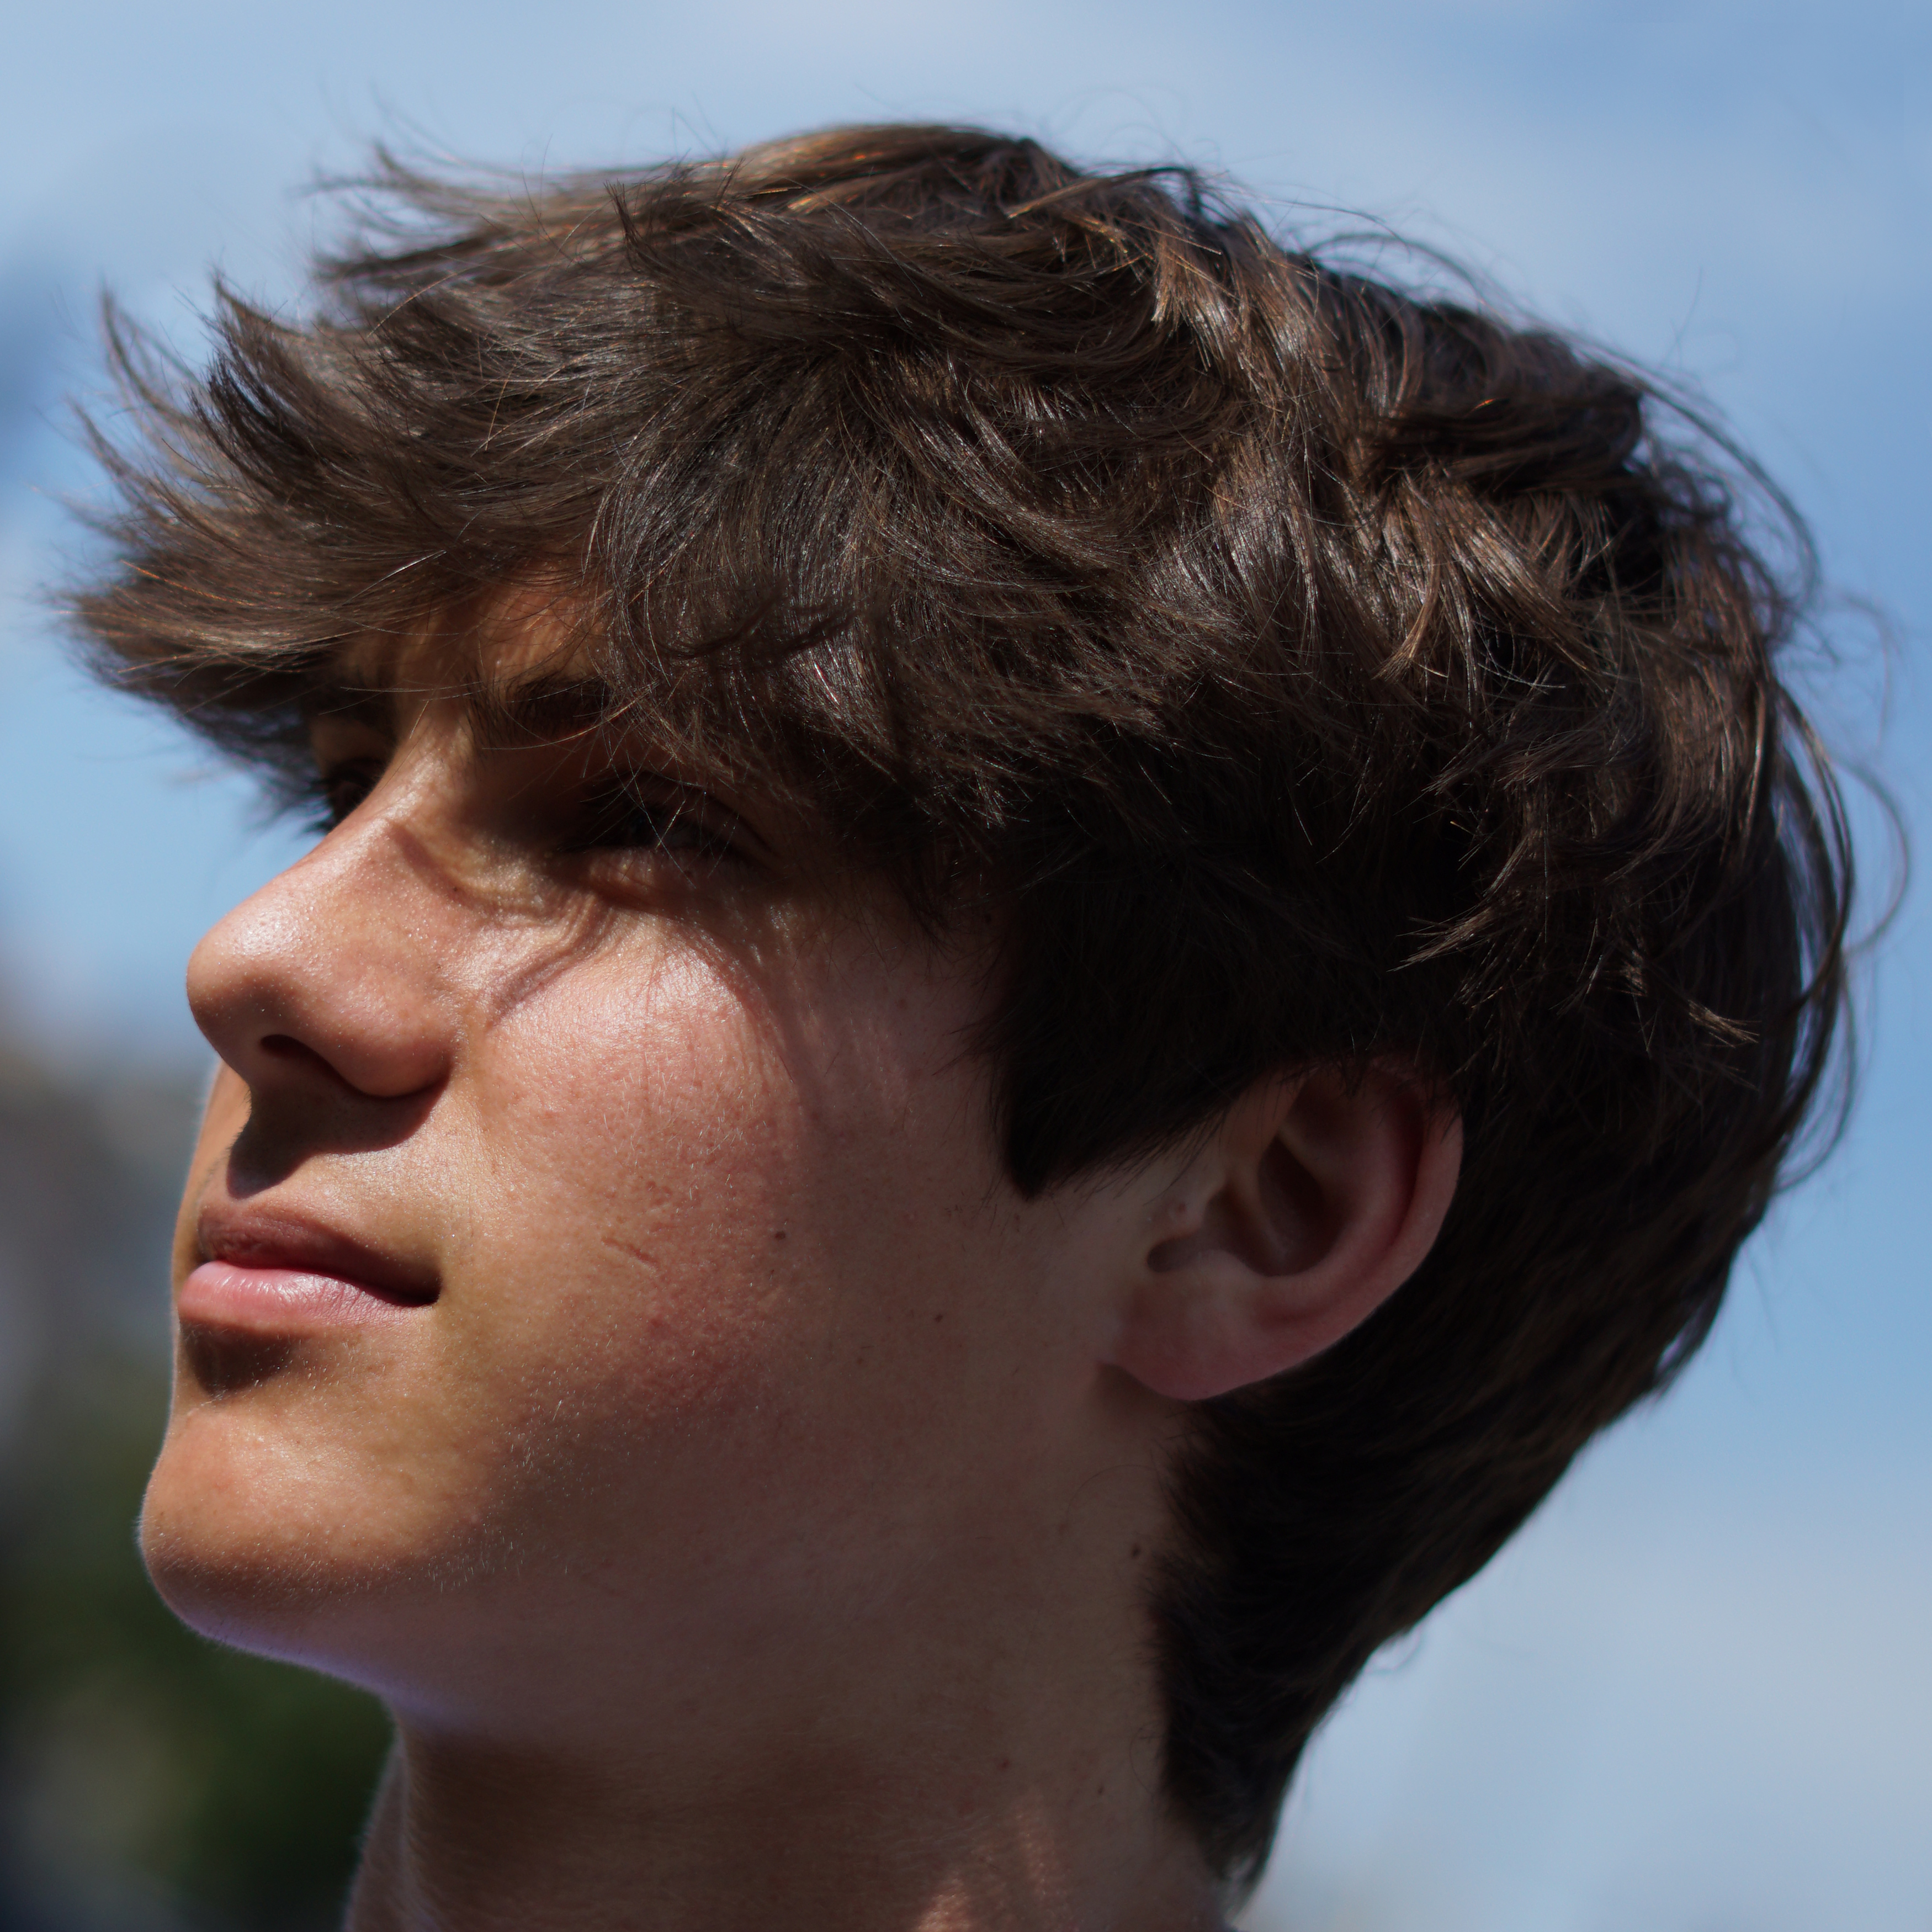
(939, 1318)
(1136, 1551)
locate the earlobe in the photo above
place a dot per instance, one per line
(1315, 1200)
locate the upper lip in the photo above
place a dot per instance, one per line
(278, 1238)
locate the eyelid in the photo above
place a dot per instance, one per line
(626, 800)
(356, 761)
(342, 733)
(320, 791)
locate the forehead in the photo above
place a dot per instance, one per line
(516, 662)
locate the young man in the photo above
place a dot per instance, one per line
(1048, 944)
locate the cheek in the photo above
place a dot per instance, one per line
(722, 1237)
(629, 1268)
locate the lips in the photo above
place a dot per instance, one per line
(279, 1275)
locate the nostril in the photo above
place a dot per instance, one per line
(286, 1046)
(303, 1060)
(380, 1077)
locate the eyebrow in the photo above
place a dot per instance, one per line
(352, 704)
(547, 705)
(538, 707)
(544, 706)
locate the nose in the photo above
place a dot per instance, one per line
(328, 979)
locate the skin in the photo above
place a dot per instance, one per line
(746, 1500)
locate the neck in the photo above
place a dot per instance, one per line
(479, 1837)
(973, 1741)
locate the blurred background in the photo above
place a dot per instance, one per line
(1695, 1696)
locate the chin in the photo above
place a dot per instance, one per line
(257, 1536)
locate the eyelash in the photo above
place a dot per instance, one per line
(619, 819)
(329, 797)
(615, 818)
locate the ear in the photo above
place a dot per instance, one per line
(1316, 1199)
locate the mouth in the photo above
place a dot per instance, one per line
(283, 1277)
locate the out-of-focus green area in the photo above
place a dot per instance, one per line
(150, 1781)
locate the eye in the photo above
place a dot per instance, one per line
(641, 816)
(337, 789)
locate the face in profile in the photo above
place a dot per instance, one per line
(596, 1279)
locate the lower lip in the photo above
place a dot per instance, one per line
(283, 1301)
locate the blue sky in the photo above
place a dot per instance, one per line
(1694, 1695)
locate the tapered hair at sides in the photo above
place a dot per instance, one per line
(1312, 670)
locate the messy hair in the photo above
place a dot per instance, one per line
(1316, 669)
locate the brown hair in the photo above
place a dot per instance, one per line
(1319, 669)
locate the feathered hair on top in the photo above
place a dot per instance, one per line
(1312, 668)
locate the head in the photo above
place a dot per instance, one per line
(956, 781)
